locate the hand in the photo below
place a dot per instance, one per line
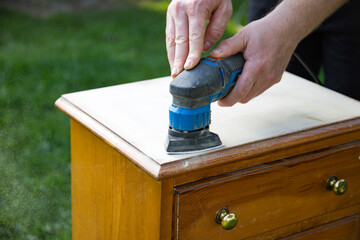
(267, 48)
(187, 34)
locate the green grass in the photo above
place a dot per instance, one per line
(40, 59)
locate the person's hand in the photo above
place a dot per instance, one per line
(187, 34)
(267, 49)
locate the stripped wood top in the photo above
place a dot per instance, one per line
(133, 118)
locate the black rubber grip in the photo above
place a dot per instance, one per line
(233, 63)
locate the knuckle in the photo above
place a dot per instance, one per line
(191, 12)
(239, 92)
(274, 80)
(260, 66)
(176, 7)
(215, 33)
(271, 77)
(226, 44)
(193, 5)
(181, 39)
(195, 36)
(229, 9)
(170, 41)
(171, 6)
(226, 8)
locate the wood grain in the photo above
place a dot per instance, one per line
(309, 223)
(111, 197)
(269, 196)
(223, 162)
(342, 229)
(166, 221)
(279, 151)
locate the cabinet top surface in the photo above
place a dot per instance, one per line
(134, 118)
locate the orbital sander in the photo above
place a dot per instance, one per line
(193, 91)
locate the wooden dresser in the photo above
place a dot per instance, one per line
(274, 174)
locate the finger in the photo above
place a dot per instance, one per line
(197, 26)
(258, 89)
(217, 25)
(242, 87)
(230, 46)
(170, 40)
(255, 91)
(181, 43)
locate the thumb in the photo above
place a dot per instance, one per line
(230, 46)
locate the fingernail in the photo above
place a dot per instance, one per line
(174, 71)
(207, 45)
(216, 51)
(188, 63)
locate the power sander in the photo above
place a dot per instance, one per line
(193, 91)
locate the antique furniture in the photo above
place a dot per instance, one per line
(289, 167)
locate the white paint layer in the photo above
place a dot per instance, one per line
(138, 113)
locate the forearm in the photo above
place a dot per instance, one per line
(298, 18)
(268, 43)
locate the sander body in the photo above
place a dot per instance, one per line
(193, 92)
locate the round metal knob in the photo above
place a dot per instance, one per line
(339, 186)
(226, 219)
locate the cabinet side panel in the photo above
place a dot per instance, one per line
(111, 197)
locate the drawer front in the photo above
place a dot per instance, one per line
(342, 229)
(269, 196)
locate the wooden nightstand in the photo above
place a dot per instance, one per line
(272, 173)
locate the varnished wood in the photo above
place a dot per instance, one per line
(166, 217)
(271, 172)
(269, 196)
(342, 229)
(310, 223)
(111, 197)
(254, 154)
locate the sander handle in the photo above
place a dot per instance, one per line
(194, 90)
(230, 67)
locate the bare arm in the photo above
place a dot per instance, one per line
(268, 44)
(303, 16)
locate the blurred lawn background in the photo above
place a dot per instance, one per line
(44, 56)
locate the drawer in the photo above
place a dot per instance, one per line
(342, 229)
(269, 196)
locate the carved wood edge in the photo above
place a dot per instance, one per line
(211, 159)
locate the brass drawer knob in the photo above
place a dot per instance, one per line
(226, 219)
(339, 186)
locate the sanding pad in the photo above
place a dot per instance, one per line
(179, 142)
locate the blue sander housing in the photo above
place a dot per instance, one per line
(193, 91)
